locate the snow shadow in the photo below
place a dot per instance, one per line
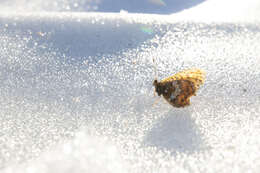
(177, 132)
(132, 6)
(147, 6)
(77, 38)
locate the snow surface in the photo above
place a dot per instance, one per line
(133, 6)
(76, 91)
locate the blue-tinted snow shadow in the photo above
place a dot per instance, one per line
(147, 6)
(133, 6)
(177, 132)
(77, 38)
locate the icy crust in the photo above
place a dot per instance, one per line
(77, 95)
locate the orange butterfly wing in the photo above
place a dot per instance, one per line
(187, 83)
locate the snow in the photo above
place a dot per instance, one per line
(224, 11)
(76, 90)
(133, 6)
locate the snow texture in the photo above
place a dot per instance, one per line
(76, 91)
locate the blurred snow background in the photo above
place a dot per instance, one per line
(76, 89)
(134, 6)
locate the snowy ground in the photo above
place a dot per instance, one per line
(76, 90)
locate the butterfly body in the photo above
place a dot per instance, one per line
(178, 89)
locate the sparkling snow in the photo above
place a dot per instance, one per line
(76, 93)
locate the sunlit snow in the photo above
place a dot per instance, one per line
(76, 90)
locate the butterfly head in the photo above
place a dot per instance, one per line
(159, 88)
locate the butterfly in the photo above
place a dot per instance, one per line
(178, 89)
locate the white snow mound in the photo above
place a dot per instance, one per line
(76, 94)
